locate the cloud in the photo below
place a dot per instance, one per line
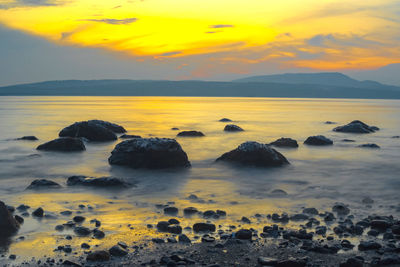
(328, 40)
(169, 54)
(29, 3)
(220, 26)
(114, 21)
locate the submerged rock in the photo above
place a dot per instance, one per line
(318, 140)
(244, 234)
(369, 146)
(232, 128)
(204, 227)
(117, 251)
(356, 127)
(89, 130)
(150, 153)
(278, 193)
(8, 224)
(43, 184)
(65, 144)
(255, 154)
(285, 142)
(28, 138)
(190, 134)
(341, 209)
(129, 136)
(39, 212)
(225, 120)
(103, 182)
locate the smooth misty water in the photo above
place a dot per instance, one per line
(317, 176)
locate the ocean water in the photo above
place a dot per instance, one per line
(317, 176)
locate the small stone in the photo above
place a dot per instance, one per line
(100, 255)
(244, 234)
(171, 210)
(39, 212)
(204, 227)
(98, 234)
(117, 251)
(82, 231)
(78, 219)
(184, 239)
(85, 246)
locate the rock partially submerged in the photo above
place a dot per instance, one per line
(64, 144)
(150, 153)
(369, 146)
(43, 184)
(28, 138)
(255, 154)
(356, 127)
(129, 136)
(232, 128)
(90, 130)
(318, 140)
(8, 224)
(225, 120)
(190, 134)
(103, 182)
(285, 142)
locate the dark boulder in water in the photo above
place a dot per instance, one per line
(64, 144)
(150, 153)
(110, 126)
(43, 184)
(100, 255)
(204, 227)
(129, 136)
(244, 234)
(232, 128)
(370, 146)
(190, 134)
(89, 130)
(225, 120)
(318, 140)
(255, 154)
(356, 127)
(285, 142)
(101, 182)
(8, 224)
(28, 138)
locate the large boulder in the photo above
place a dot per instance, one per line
(356, 127)
(150, 153)
(318, 140)
(43, 184)
(255, 154)
(90, 130)
(8, 224)
(66, 144)
(28, 138)
(190, 134)
(110, 126)
(103, 182)
(285, 142)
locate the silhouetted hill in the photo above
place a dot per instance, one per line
(193, 88)
(324, 78)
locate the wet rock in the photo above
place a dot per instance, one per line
(299, 217)
(190, 134)
(184, 239)
(367, 200)
(265, 261)
(346, 244)
(368, 245)
(98, 234)
(311, 211)
(117, 251)
(8, 224)
(320, 230)
(207, 239)
(255, 154)
(221, 213)
(245, 220)
(28, 138)
(96, 222)
(285, 142)
(63, 144)
(103, 182)
(225, 120)
(70, 263)
(318, 140)
(204, 227)
(278, 193)
(12, 257)
(129, 136)
(292, 262)
(341, 209)
(172, 240)
(150, 153)
(10, 208)
(348, 140)
(244, 234)
(301, 234)
(39, 212)
(369, 146)
(329, 217)
(82, 231)
(175, 129)
(209, 214)
(330, 122)
(79, 219)
(19, 219)
(390, 259)
(158, 240)
(89, 130)
(85, 246)
(353, 262)
(43, 184)
(100, 255)
(162, 226)
(396, 229)
(173, 221)
(356, 127)
(171, 211)
(232, 128)
(283, 218)
(59, 228)
(66, 213)
(381, 225)
(174, 229)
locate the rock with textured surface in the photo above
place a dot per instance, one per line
(285, 142)
(64, 144)
(149, 153)
(318, 140)
(8, 224)
(43, 184)
(356, 127)
(89, 130)
(190, 134)
(103, 182)
(232, 128)
(255, 154)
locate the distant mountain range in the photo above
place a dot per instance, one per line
(307, 85)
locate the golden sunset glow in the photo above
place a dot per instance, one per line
(324, 35)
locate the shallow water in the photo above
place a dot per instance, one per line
(317, 176)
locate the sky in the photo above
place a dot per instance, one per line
(192, 39)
